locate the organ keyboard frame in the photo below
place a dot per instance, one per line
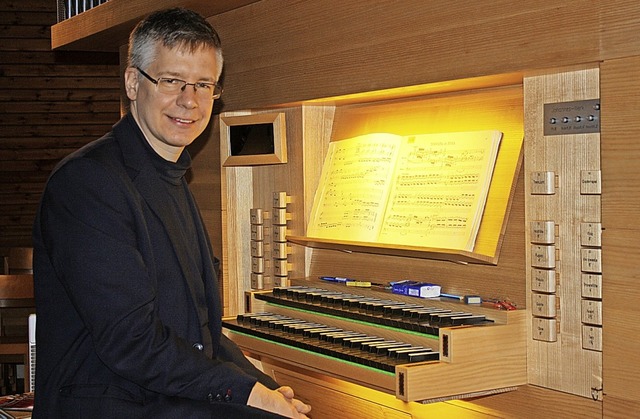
(490, 357)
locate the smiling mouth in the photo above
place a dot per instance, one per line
(184, 121)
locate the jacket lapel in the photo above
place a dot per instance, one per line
(145, 179)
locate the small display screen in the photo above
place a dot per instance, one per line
(252, 139)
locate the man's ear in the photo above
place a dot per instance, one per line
(131, 82)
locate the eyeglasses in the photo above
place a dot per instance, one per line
(171, 86)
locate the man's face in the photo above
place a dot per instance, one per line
(171, 122)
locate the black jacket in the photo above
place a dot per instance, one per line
(128, 324)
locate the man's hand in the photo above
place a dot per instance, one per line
(287, 392)
(281, 401)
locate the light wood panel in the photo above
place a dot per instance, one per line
(533, 402)
(351, 401)
(352, 47)
(561, 362)
(620, 87)
(470, 356)
(247, 187)
(237, 200)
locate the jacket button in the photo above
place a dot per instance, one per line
(198, 346)
(216, 398)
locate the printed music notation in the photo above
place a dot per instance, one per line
(423, 190)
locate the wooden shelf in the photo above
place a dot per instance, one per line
(458, 256)
(106, 27)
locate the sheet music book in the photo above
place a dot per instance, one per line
(426, 190)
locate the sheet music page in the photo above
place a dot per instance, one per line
(440, 189)
(352, 194)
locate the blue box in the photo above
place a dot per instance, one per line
(416, 289)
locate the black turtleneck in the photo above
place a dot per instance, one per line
(178, 195)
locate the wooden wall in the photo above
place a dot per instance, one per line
(620, 149)
(51, 103)
(290, 51)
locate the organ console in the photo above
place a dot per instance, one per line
(409, 349)
(386, 341)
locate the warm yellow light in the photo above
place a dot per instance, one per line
(441, 87)
(497, 108)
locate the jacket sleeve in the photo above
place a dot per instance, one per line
(229, 351)
(91, 224)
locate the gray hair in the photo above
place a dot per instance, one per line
(177, 27)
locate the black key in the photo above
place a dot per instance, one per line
(474, 319)
(423, 356)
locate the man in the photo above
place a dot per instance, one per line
(129, 317)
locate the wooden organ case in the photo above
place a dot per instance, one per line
(296, 326)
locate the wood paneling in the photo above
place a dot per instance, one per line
(51, 103)
(561, 363)
(336, 47)
(350, 401)
(245, 188)
(620, 89)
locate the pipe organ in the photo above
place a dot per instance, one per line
(401, 345)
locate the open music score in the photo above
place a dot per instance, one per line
(425, 190)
